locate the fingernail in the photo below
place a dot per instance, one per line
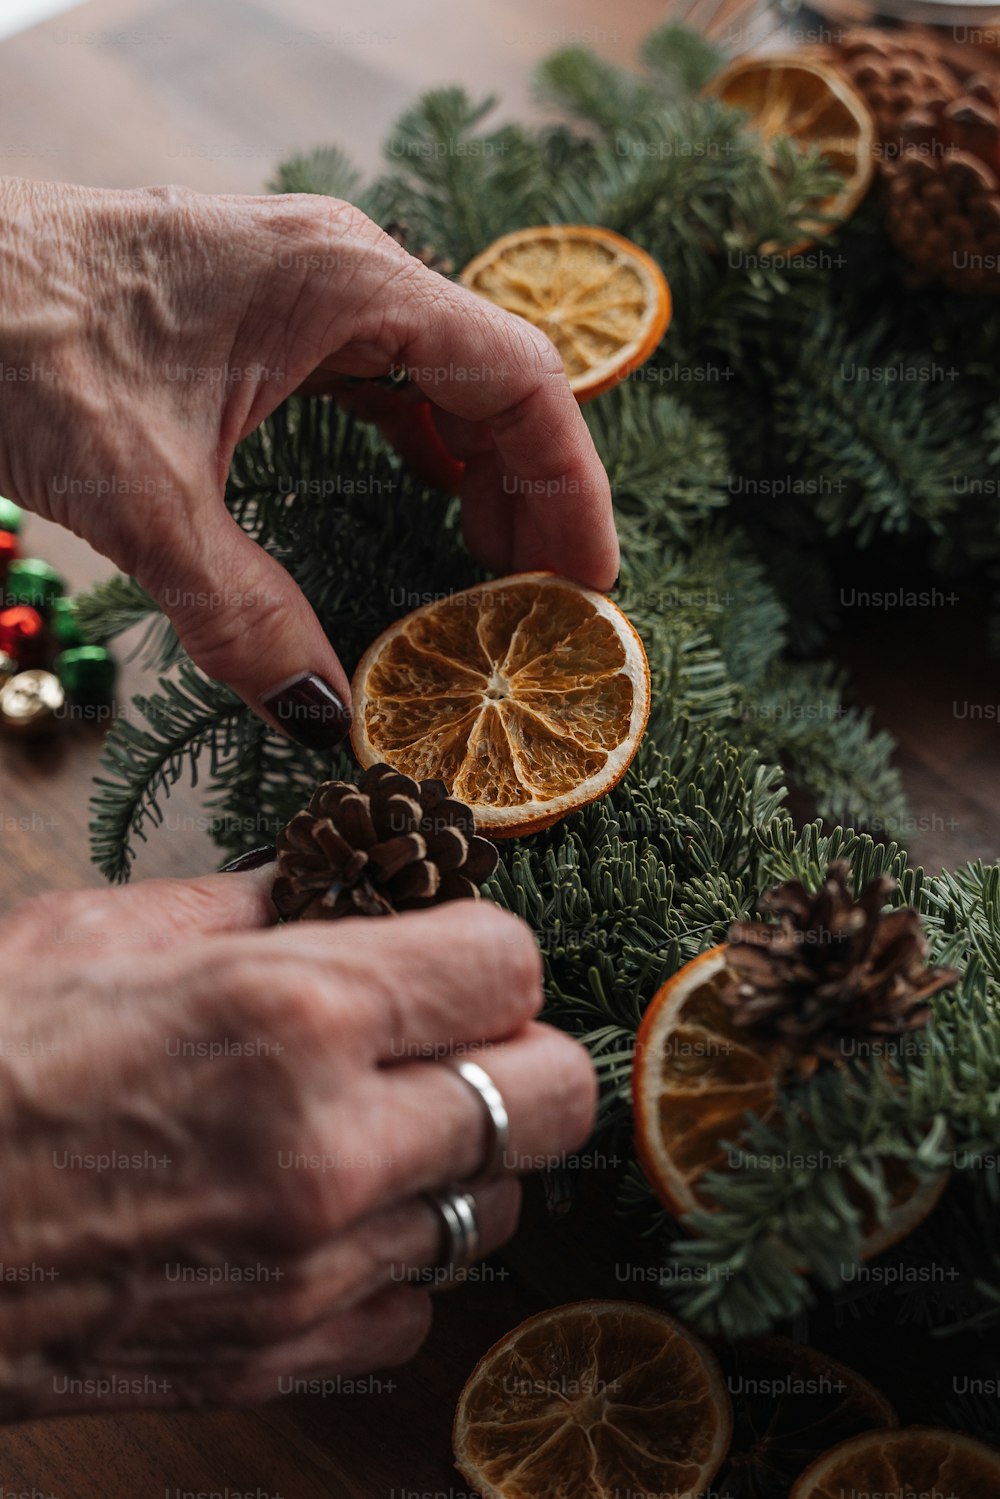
(309, 711)
(255, 859)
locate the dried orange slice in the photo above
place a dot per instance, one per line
(915, 1460)
(527, 696)
(810, 103)
(696, 1076)
(695, 1079)
(603, 302)
(793, 1404)
(590, 1401)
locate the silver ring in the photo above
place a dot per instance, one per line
(498, 1120)
(457, 1211)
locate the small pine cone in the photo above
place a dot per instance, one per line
(832, 969)
(387, 844)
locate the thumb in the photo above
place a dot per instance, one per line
(245, 622)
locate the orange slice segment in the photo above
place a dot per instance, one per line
(915, 1460)
(527, 696)
(813, 105)
(696, 1076)
(603, 302)
(590, 1401)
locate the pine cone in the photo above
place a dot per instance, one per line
(897, 73)
(832, 968)
(940, 145)
(943, 214)
(387, 844)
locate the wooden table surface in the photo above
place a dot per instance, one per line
(213, 93)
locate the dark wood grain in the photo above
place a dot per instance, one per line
(933, 683)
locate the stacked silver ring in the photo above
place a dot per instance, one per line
(498, 1120)
(456, 1205)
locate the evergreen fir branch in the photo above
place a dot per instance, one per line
(612, 1051)
(109, 608)
(961, 910)
(799, 1198)
(655, 154)
(805, 854)
(992, 432)
(257, 789)
(715, 586)
(187, 718)
(796, 716)
(665, 465)
(776, 201)
(679, 57)
(648, 1217)
(979, 1413)
(602, 889)
(689, 672)
(885, 433)
(733, 1289)
(592, 90)
(325, 170)
(116, 605)
(457, 187)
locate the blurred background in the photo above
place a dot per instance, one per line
(214, 93)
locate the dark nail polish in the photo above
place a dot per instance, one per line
(309, 711)
(255, 859)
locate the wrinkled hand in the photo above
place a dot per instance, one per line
(213, 1137)
(156, 328)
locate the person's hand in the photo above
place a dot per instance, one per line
(156, 328)
(213, 1138)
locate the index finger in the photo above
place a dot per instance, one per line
(485, 365)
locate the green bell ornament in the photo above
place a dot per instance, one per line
(63, 624)
(32, 581)
(88, 673)
(10, 516)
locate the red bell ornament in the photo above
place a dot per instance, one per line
(22, 633)
(8, 550)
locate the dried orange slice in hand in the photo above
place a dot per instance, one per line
(695, 1078)
(813, 105)
(591, 1401)
(916, 1460)
(527, 696)
(603, 302)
